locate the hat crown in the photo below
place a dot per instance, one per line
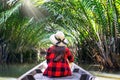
(60, 35)
(59, 39)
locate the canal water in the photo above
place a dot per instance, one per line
(12, 72)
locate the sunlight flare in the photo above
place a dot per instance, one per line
(30, 9)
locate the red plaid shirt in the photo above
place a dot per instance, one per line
(59, 68)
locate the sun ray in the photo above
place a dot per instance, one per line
(31, 10)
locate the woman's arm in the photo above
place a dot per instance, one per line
(69, 55)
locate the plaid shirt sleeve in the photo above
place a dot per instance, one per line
(69, 55)
(50, 55)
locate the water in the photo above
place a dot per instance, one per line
(15, 70)
(106, 76)
(12, 72)
(7, 78)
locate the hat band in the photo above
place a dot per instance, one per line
(59, 40)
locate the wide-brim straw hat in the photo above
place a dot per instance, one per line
(59, 39)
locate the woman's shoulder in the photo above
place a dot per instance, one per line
(66, 48)
(51, 47)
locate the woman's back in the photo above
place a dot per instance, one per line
(59, 67)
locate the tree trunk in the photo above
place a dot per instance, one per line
(107, 53)
(21, 58)
(0, 54)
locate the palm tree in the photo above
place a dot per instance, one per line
(89, 22)
(19, 33)
(91, 26)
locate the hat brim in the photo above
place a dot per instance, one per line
(54, 41)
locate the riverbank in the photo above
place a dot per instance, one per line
(7, 78)
(105, 76)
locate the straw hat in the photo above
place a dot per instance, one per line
(59, 39)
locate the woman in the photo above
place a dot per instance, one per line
(58, 57)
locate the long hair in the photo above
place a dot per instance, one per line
(59, 53)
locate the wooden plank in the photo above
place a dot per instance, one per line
(28, 77)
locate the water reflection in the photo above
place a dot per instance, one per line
(7, 78)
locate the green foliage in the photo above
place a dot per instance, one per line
(19, 33)
(82, 21)
(91, 24)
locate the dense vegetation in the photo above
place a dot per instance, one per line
(91, 26)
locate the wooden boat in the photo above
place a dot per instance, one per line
(35, 73)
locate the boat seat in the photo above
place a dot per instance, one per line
(83, 77)
(38, 71)
(28, 77)
(76, 70)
